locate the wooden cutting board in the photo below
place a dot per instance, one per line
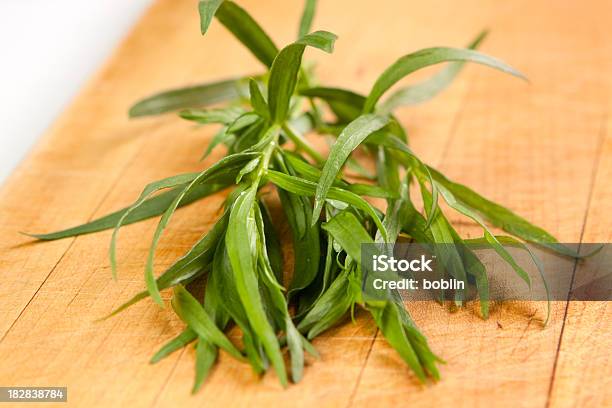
(543, 149)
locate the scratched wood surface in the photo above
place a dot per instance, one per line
(543, 149)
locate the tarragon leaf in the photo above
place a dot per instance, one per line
(188, 97)
(151, 207)
(192, 313)
(510, 241)
(187, 336)
(330, 307)
(187, 266)
(503, 218)
(351, 137)
(389, 321)
(229, 166)
(147, 192)
(305, 236)
(300, 186)
(444, 244)
(239, 240)
(491, 239)
(202, 116)
(247, 31)
(424, 58)
(349, 233)
(225, 282)
(430, 87)
(285, 69)
(243, 121)
(206, 355)
(387, 139)
(207, 9)
(220, 137)
(346, 105)
(307, 17)
(257, 99)
(311, 173)
(206, 351)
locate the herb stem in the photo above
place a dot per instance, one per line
(267, 154)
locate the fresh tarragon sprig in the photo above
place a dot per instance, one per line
(263, 123)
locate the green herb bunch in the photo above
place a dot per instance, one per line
(239, 261)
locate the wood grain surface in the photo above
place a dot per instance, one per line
(543, 149)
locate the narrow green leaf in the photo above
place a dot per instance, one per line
(248, 168)
(278, 305)
(207, 352)
(147, 192)
(311, 173)
(408, 159)
(264, 266)
(306, 245)
(430, 87)
(224, 116)
(285, 69)
(294, 341)
(303, 187)
(186, 267)
(193, 314)
(330, 307)
(180, 341)
(225, 282)
(474, 267)
(328, 94)
(273, 244)
(460, 259)
(229, 166)
(207, 9)
(213, 303)
(351, 137)
(503, 218)
(188, 97)
(220, 137)
(413, 223)
(247, 31)
(388, 320)
(424, 58)
(309, 348)
(495, 244)
(510, 241)
(444, 244)
(349, 233)
(305, 240)
(346, 105)
(296, 208)
(149, 208)
(239, 239)
(249, 138)
(427, 358)
(257, 99)
(307, 17)
(369, 190)
(323, 40)
(388, 172)
(206, 355)
(243, 121)
(330, 269)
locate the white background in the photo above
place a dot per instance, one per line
(48, 49)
